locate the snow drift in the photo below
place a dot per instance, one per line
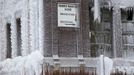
(27, 65)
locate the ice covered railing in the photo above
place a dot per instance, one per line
(27, 65)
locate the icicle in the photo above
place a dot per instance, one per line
(96, 10)
(109, 5)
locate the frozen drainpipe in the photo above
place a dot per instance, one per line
(97, 10)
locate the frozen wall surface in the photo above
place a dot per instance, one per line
(39, 31)
(28, 13)
(123, 3)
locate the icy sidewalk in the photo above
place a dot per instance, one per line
(27, 65)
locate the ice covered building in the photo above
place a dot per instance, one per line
(66, 28)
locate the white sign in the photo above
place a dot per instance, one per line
(68, 15)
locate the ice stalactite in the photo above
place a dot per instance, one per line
(96, 10)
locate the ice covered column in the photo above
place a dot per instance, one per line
(117, 32)
(41, 26)
(0, 30)
(3, 40)
(2, 33)
(0, 45)
(33, 9)
(13, 36)
(25, 28)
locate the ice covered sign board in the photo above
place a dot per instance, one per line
(68, 15)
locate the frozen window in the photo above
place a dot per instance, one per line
(18, 28)
(106, 14)
(8, 38)
(130, 14)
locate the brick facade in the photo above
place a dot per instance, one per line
(66, 42)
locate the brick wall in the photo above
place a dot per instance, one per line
(63, 41)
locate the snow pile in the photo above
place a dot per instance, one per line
(27, 65)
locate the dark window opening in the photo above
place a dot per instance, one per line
(18, 28)
(130, 14)
(8, 34)
(106, 15)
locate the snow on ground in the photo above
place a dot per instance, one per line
(27, 65)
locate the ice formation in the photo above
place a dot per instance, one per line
(33, 63)
(96, 11)
(125, 65)
(105, 65)
(108, 64)
(27, 65)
